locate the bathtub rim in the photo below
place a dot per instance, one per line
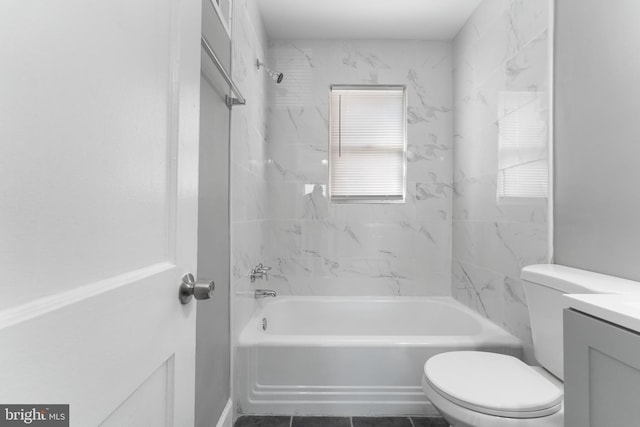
(252, 334)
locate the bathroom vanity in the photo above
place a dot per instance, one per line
(602, 360)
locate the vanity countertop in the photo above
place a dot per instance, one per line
(620, 309)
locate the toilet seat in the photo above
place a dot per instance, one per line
(493, 384)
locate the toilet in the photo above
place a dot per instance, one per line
(482, 389)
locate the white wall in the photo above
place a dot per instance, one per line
(597, 138)
(317, 248)
(503, 48)
(213, 377)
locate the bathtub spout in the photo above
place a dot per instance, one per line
(261, 293)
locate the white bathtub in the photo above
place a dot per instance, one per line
(352, 355)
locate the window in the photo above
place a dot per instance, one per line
(367, 144)
(522, 146)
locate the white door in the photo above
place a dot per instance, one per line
(98, 207)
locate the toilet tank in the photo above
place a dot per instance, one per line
(544, 285)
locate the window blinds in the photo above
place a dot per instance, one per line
(522, 146)
(367, 144)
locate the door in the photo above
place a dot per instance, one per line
(98, 208)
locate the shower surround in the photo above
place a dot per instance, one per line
(248, 153)
(501, 51)
(319, 248)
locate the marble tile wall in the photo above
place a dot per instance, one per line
(502, 49)
(319, 248)
(248, 159)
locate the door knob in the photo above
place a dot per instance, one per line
(189, 287)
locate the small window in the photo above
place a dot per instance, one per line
(367, 144)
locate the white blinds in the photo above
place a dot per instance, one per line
(367, 143)
(522, 146)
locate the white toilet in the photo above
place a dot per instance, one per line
(481, 389)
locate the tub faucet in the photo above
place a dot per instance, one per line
(259, 272)
(261, 293)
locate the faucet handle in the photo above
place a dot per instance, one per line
(259, 271)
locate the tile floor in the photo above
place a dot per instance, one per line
(276, 421)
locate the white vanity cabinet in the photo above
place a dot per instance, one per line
(602, 370)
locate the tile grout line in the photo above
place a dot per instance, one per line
(351, 423)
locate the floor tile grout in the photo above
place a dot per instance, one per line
(257, 420)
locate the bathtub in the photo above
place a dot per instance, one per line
(351, 355)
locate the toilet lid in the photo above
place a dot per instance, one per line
(491, 383)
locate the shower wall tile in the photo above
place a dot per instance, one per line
(528, 70)
(286, 200)
(299, 124)
(248, 199)
(249, 203)
(484, 17)
(475, 200)
(285, 238)
(481, 289)
(498, 297)
(431, 164)
(301, 163)
(342, 286)
(250, 247)
(527, 19)
(502, 51)
(320, 248)
(516, 315)
(249, 145)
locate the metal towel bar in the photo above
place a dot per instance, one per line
(229, 100)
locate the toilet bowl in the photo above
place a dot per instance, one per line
(480, 389)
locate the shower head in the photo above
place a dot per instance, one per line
(276, 76)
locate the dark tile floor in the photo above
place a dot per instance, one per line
(272, 421)
(257, 421)
(320, 422)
